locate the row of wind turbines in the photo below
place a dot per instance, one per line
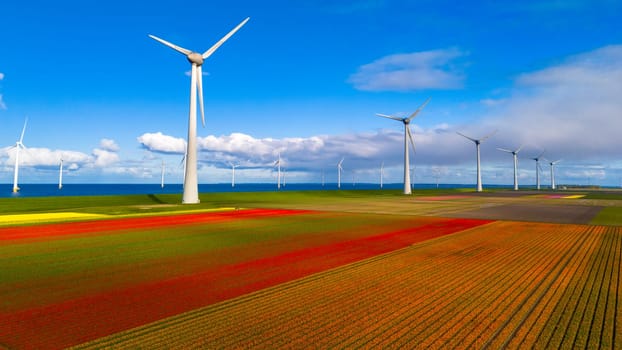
(190, 181)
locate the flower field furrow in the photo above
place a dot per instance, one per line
(532, 325)
(474, 316)
(455, 325)
(597, 301)
(605, 307)
(580, 306)
(421, 293)
(458, 285)
(514, 319)
(555, 324)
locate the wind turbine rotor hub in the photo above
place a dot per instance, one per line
(195, 58)
(406, 121)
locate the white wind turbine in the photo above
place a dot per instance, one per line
(552, 164)
(538, 168)
(515, 157)
(408, 137)
(17, 146)
(60, 174)
(162, 175)
(381, 174)
(277, 164)
(233, 166)
(191, 185)
(477, 143)
(339, 170)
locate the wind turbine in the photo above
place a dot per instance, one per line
(162, 175)
(477, 143)
(407, 138)
(277, 164)
(17, 146)
(191, 185)
(381, 173)
(538, 168)
(339, 170)
(552, 164)
(514, 156)
(233, 166)
(60, 174)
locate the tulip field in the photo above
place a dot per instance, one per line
(67, 283)
(326, 270)
(505, 284)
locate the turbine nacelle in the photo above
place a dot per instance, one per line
(195, 58)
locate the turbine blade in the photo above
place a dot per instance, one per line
(519, 148)
(463, 135)
(541, 154)
(419, 109)
(389, 116)
(21, 138)
(410, 137)
(504, 150)
(171, 45)
(487, 136)
(211, 50)
(341, 161)
(200, 86)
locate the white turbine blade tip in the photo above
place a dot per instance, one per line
(463, 135)
(212, 49)
(171, 45)
(389, 116)
(419, 109)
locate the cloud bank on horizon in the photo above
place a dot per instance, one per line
(568, 111)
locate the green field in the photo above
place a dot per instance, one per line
(440, 267)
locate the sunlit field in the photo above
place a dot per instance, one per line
(439, 269)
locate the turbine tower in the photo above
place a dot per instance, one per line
(191, 185)
(339, 170)
(17, 146)
(515, 157)
(277, 164)
(381, 173)
(162, 175)
(233, 166)
(538, 168)
(477, 143)
(60, 175)
(552, 164)
(407, 138)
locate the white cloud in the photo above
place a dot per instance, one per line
(572, 109)
(435, 69)
(158, 142)
(44, 157)
(2, 104)
(104, 158)
(1, 75)
(108, 145)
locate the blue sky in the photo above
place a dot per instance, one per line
(305, 78)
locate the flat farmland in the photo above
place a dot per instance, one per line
(504, 284)
(67, 283)
(329, 268)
